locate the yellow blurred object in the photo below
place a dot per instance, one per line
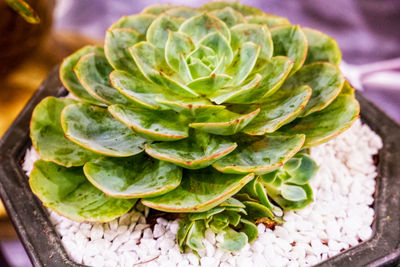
(2, 210)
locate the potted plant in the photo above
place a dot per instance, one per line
(224, 100)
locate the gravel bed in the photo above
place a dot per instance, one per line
(339, 218)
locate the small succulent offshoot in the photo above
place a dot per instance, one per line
(206, 111)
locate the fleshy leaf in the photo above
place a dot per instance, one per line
(178, 44)
(232, 203)
(139, 22)
(93, 72)
(260, 154)
(279, 109)
(243, 9)
(206, 214)
(325, 80)
(67, 192)
(223, 122)
(151, 63)
(157, 34)
(157, 9)
(293, 192)
(209, 84)
(133, 177)
(199, 191)
(267, 19)
(220, 45)
(347, 89)
(190, 107)
(234, 241)
(290, 41)
(257, 211)
(155, 125)
(264, 83)
(256, 34)
(302, 173)
(68, 76)
(198, 151)
(48, 138)
(201, 25)
(116, 50)
(324, 125)
(196, 236)
(243, 63)
(228, 15)
(321, 47)
(184, 227)
(95, 129)
(250, 229)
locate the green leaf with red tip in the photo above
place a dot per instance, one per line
(279, 109)
(139, 22)
(290, 41)
(116, 46)
(264, 83)
(24, 10)
(243, 63)
(140, 91)
(183, 11)
(198, 69)
(257, 211)
(321, 126)
(93, 72)
(243, 9)
(198, 151)
(261, 154)
(229, 16)
(199, 26)
(321, 47)
(133, 177)
(48, 138)
(68, 76)
(325, 80)
(257, 34)
(190, 107)
(223, 122)
(155, 125)
(267, 19)
(157, 34)
(67, 192)
(199, 191)
(95, 129)
(209, 84)
(151, 63)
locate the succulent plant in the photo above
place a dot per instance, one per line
(186, 108)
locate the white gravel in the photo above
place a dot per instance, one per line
(339, 218)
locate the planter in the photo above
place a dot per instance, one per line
(44, 246)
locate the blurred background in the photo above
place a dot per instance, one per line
(366, 31)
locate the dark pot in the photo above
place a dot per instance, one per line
(44, 247)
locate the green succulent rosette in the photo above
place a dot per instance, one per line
(205, 111)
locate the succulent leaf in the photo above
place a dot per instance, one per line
(48, 137)
(25, 10)
(95, 129)
(157, 33)
(198, 151)
(260, 154)
(279, 109)
(199, 191)
(69, 78)
(133, 177)
(229, 16)
(115, 44)
(93, 72)
(325, 80)
(233, 240)
(67, 192)
(140, 22)
(321, 126)
(243, 9)
(267, 19)
(321, 48)
(290, 41)
(155, 125)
